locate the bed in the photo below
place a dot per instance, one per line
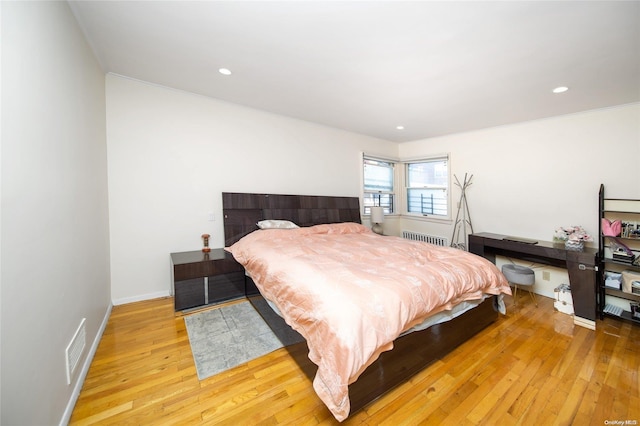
(354, 295)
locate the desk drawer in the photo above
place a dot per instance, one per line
(189, 271)
(205, 269)
(189, 293)
(226, 286)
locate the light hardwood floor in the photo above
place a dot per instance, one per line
(532, 367)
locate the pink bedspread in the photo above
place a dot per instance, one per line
(351, 292)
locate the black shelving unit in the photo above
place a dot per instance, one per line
(623, 209)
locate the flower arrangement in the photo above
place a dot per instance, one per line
(573, 237)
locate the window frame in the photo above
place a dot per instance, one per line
(408, 188)
(401, 189)
(392, 207)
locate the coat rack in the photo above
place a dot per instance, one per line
(462, 222)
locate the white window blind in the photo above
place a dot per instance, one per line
(379, 184)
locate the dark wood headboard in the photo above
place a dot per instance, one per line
(241, 211)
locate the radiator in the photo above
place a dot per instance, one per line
(431, 239)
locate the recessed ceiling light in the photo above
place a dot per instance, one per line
(400, 127)
(224, 71)
(560, 89)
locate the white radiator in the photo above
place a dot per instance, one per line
(425, 238)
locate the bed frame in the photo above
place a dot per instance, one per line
(242, 211)
(411, 353)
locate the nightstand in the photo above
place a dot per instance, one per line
(201, 279)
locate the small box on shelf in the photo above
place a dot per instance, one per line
(613, 279)
(635, 310)
(631, 281)
(623, 256)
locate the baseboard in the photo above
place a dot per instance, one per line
(140, 298)
(85, 369)
(583, 322)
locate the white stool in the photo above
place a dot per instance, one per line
(520, 276)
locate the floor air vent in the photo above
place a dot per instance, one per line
(74, 349)
(425, 238)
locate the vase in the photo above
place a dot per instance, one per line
(577, 245)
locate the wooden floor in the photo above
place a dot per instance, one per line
(532, 367)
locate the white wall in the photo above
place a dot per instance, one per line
(530, 178)
(55, 266)
(171, 154)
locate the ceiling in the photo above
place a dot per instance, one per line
(367, 67)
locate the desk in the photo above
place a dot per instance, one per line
(581, 265)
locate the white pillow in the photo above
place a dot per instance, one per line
(277, 224)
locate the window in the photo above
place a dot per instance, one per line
(378, 184)
(427, 183)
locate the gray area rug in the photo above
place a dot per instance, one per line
(225, 337)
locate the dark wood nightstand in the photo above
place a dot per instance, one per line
(201, 279)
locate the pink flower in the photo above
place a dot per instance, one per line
(573, 233)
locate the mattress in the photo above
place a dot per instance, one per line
(437, 318)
